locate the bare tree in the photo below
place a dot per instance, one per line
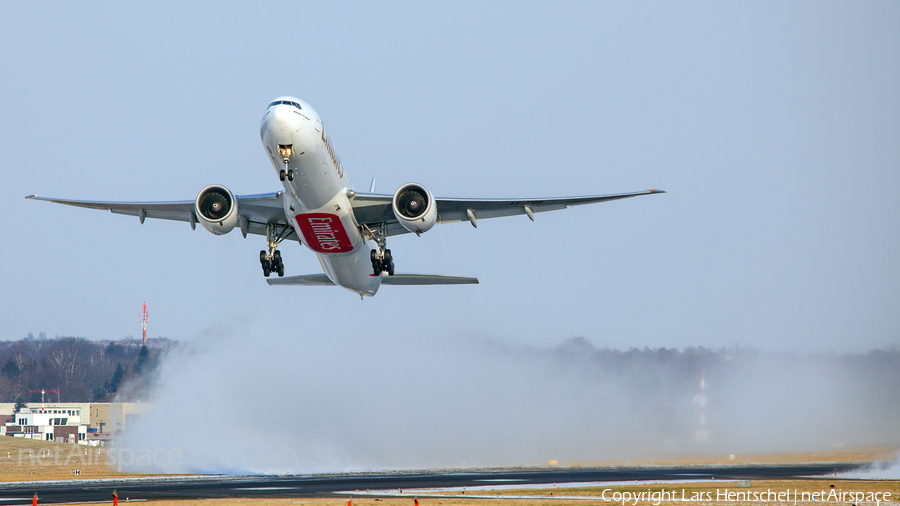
(65, 361)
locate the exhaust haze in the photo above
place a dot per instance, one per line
(878, 471)
(254, 402)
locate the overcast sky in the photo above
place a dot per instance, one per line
(774, 128)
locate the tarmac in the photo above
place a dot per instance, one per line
(391, 483)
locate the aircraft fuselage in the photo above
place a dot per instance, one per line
(317, 196)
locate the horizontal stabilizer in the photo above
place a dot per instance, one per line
(307, 280)
(426, 279)
(396, 279)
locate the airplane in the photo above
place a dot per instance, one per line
(346, 229)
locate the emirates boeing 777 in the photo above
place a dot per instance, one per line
(319, 208)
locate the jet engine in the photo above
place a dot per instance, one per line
(216, 209)
(414, 208)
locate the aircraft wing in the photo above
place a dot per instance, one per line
(255, 211)
(369, 208)
(375, 209)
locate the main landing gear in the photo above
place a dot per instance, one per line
(271, 260)
(274, 265)
(382, 261)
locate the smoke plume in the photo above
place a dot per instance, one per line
(244, 402)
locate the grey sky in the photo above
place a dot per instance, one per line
(775, 128)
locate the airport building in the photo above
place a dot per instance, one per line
(47, 424)
(111, 418)
(99, 420)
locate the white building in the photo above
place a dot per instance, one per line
(102, 418)
(48, 424)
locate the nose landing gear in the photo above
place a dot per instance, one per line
(286, 150)
(286, 173)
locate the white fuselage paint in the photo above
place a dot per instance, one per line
(318, 195)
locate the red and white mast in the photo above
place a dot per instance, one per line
(144, 317)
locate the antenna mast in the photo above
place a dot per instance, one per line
(144, 317)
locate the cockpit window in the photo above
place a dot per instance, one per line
(286, 102)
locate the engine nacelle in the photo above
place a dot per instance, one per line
(414, 208)
(217, 209)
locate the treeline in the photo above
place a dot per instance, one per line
(79, 370)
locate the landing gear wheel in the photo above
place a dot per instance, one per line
(376, 265)
(290, 175)
(281, 175)
(280, 270)
(387, 263)
(262, 257)
(267, 269)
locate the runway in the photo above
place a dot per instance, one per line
(329, 485)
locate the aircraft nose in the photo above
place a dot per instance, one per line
(282, 115)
